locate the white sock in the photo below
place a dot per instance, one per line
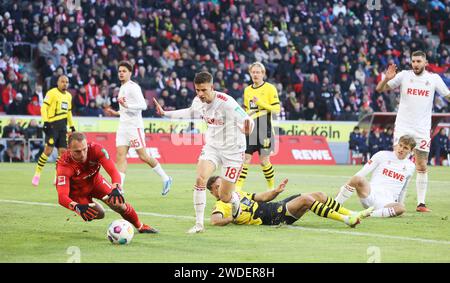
(158, 169)
(122, 179)
(235, 201)
(344, 194)
(421, 186)
(383, 212)
(199, 204)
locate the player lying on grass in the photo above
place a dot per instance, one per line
(258, 210)
(79, 181)
(387, 188)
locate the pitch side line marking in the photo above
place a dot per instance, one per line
(290, 227)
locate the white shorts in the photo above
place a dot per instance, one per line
(422, 141)
(377, 198)
(231, 162)
(132, 137)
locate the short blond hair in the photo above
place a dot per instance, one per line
(408, 140)
(257, 64)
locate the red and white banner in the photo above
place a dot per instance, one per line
(185, 149)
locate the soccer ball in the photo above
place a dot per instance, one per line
(120, 232)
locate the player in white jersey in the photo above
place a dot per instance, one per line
(391, 172)
(224, 143)
(417, 88)
(131, 126)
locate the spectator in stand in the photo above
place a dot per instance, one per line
(292, 107)
(440, 146)
(342, 41)
(14, 148)
(33, 131)
(310, 112)
(375, 141)
(358, 142)
(8, 96)
(387, 137)
(92, 110)
(348, 114)
(18, 106)
(33, 107)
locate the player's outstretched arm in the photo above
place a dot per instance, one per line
(217, 219)
(186, 113)
(272, 194)
(389, 75)
(159, 109)
(112, 112)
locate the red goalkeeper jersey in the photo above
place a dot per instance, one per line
(78, 179)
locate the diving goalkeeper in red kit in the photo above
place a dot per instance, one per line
(79, 181)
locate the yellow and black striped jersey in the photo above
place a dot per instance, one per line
(57, 106)
(248, 206)
(268, 102)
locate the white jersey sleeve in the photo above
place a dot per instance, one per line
(371, 165)
(441, 87)
(397, 80)
(238, 114)
(193, 112)
(136, 99)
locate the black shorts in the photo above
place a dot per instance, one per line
(263, 143)
(275, 213)
(58, 135)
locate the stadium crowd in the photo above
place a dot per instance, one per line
(323, 56)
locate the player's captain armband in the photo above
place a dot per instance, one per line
(61, 180)
(105, 153)
(240, 111)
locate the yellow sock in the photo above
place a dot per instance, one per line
(41, 163)
(269, 174)
(334, 205)
(325, 211)
(240, 182)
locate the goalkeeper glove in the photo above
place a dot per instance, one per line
(86, 211)
(115, 197)
(72, 129)
(47, 128)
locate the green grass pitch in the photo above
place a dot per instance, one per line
(36, 229)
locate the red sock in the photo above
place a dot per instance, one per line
(131, 216)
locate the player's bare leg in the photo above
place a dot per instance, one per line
(121, 161)
(152, 162)
(243, 176)
(100, 210)
(421, 179)
(40, 164)
(205, 169)
(129, 214)
(356, 183)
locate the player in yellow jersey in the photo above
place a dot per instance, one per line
(260, 101)
(258, 210)
(56, 113)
